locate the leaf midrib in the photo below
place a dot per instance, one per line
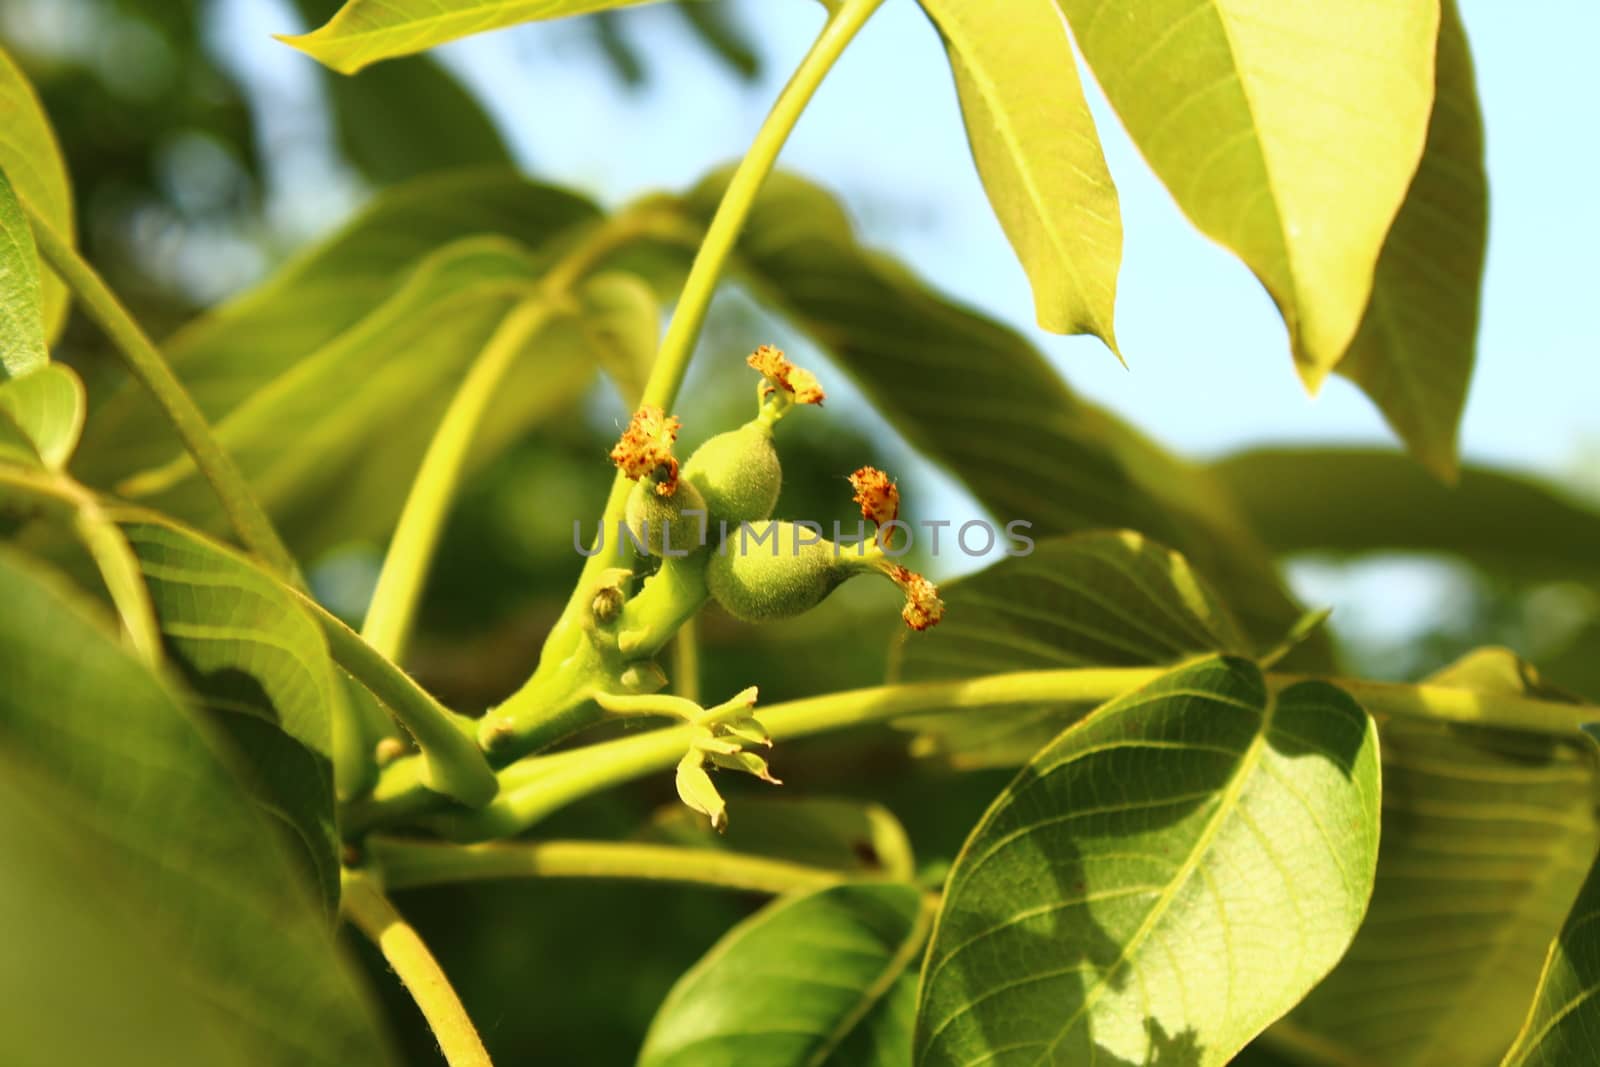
(1225, 806)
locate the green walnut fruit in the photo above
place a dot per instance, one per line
(660, 522)
(737, 473)
(775, 570)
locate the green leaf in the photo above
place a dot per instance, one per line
(1289, 133)
(47, 406)
(32, 162)
(407, 118)
(1093, 600)
(1347, 501)
(1486, 837)
(811, 979)
(1414, 351)
(22, 347)
(236, 350)
(1560, 1028)
(142, 788)
(1166, 879)
(365, 31)
(389, 376)
(363, 337)
(1037, 151)
(716, 28)
(259, 664)
(999, 418)
(622, 326)
(144, 1015)
(844, 835)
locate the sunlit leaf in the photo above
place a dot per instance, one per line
(48, 407)
(1486, 837)
(1288, 132)
(32, 162)
(813, 979)
(128, 767)
(22, 347)
(1100, 599)
(1346, 501)
(1038, 153)
(1166, 879)
(365, 31)
(1413, 353)
(843, 835)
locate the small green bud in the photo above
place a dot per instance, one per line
(660, 523)
(775, 570)
(737, 473)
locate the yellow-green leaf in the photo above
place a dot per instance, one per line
(1414, 351)
(22, 347)
(1287, 132)
(1486, 837)
(48, 407)
(1035, 145)
(365, 31)
(1166, 879)
(32, 161)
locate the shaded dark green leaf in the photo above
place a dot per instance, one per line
(127, 763)
(1346, 501)
(1099, 599)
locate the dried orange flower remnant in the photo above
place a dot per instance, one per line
(878, 496)
(775, 367)
(645, 450)
(923, 606)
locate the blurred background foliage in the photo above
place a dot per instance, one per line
(193, 181)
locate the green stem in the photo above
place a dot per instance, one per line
(686, 661)
(451, 762)
(405, 567)
(688, 316)
(144, 361)
(407, 863)
(372, 913)
(533, 788)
